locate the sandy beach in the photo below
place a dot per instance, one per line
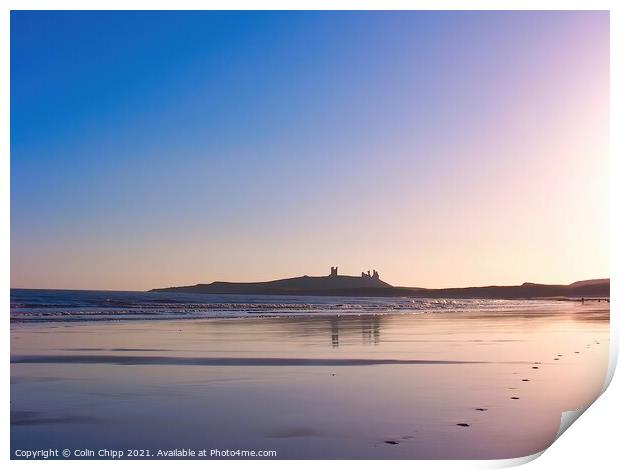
(448, 385)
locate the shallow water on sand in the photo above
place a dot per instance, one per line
(449, 385)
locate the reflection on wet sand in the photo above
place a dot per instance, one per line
(370, 328)
(470, 385)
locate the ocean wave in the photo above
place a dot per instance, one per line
(28, 306)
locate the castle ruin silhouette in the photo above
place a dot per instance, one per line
(365, 275)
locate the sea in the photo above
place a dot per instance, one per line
(37, 305)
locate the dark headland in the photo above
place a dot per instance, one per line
(369, 285)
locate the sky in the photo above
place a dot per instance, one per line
(443, 149)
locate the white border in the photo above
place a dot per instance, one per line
(591, 443)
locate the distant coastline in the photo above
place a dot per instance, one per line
(370, 285)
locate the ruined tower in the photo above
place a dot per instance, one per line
(367, 275)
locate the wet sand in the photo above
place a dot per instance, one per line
(450, 385)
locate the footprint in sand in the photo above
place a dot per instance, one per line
(392, 443)
(407, 437)
(576, 352)
(535, 367)
(463, 425)
(514, 398)
(525, 380)
(481, 409)
(556, 358)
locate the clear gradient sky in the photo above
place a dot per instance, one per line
(151, 149)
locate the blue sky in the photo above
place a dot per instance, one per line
(158, 148)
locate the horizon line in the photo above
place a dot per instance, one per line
(608, 278)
